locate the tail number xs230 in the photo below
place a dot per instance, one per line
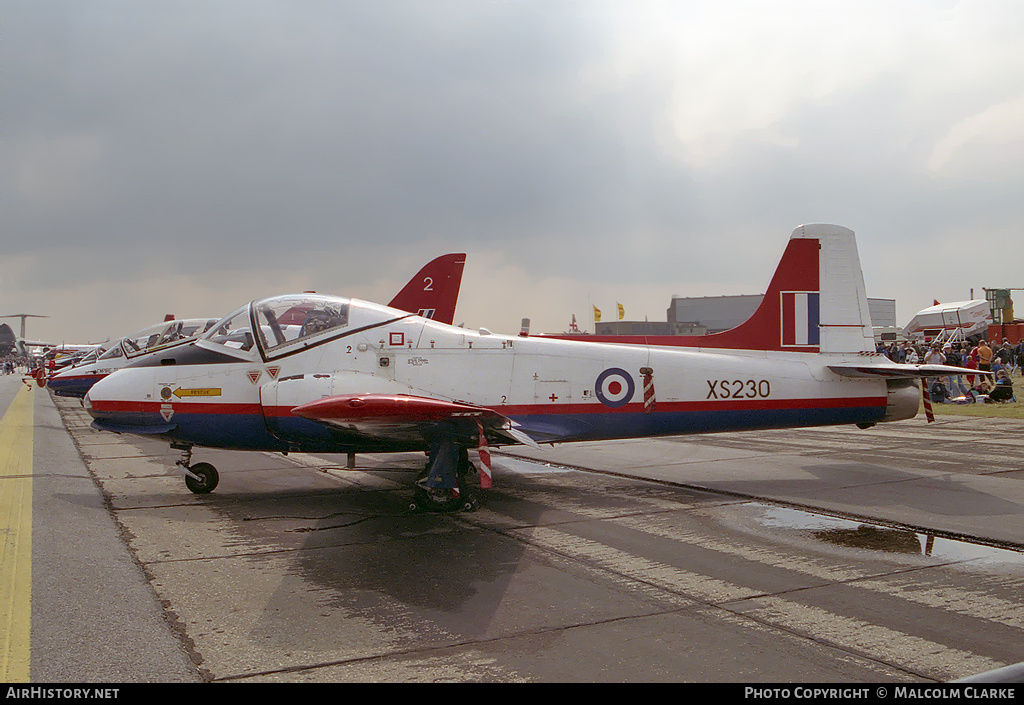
(738, 389)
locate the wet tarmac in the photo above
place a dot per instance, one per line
(822, 555)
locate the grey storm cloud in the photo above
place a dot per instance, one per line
(205, 128)
(610, 144)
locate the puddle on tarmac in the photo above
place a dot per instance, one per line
(836, 531)
(856, 534)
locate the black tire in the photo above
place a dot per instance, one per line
(443, 500)
(209, 476)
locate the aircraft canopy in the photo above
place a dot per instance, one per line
(157, 336)
(283, 323)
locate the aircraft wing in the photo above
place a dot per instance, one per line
(407, 417)
(895, 370)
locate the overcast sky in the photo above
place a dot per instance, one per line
(184, 157)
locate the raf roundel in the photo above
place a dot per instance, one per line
(614, 387)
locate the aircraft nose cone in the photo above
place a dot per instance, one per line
(117, 403)
(101, 399)
(73, 382)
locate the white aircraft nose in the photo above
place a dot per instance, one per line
(118, 401)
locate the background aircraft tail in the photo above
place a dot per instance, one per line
(434, 291)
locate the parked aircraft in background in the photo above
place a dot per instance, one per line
(360, 377)
(58, 357)
(11, 344)
(76, 380)
(8, 340)
(432, 293)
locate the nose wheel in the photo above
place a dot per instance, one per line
(201, 478)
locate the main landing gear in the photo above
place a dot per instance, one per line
(443, 486)
(201, 478)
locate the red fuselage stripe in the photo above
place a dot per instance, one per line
(517, 410)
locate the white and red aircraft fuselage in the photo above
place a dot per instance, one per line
(361, 377)
(431, 293)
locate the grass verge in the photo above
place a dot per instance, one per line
(1008, 410)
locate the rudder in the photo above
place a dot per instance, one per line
(434, 291)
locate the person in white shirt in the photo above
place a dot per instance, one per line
(934, 356)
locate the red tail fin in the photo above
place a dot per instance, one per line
(788, 316)
(434, 291)
(816, 302)
(786, 319)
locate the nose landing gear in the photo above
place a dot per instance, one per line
(201, 478)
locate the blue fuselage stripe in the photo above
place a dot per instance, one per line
(245, 431)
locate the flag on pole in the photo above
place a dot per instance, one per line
(622, 311)
(597, 314)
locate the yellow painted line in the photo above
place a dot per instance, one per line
(16, 430)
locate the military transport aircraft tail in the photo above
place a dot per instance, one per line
(434, 291)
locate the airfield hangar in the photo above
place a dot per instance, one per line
(702, 315)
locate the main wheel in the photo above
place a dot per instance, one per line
(440, 500)
(208, 481)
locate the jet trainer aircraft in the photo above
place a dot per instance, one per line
(360, 377)
(431, 293)
(76, 380)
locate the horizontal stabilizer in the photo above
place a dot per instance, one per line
(895, 370)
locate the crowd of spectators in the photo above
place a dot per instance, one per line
(1003, 359)
(12, 364)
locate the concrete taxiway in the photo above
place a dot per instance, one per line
(94, 616)
(683, 559)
